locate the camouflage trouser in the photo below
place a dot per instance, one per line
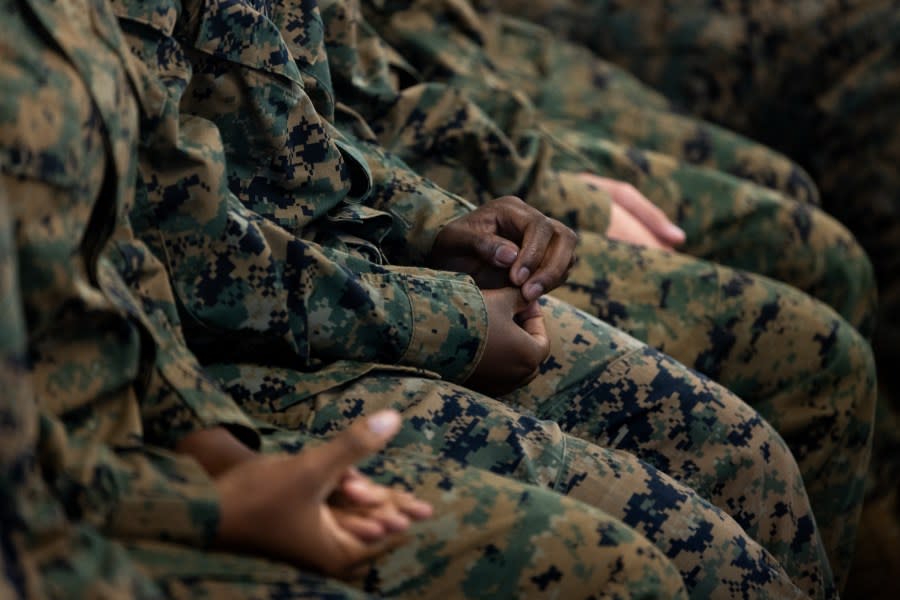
(607, 391)
(816, 79)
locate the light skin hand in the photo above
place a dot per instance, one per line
(315, 509)
(625, 227)
(517, 343)
(634, 218)
(506, 242)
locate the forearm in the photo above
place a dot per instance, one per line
(217, 450)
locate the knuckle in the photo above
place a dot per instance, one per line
(507, 201)
(545, 223)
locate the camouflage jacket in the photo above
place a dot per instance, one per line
(265, 214)
(106, 362)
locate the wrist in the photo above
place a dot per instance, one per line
(217, 450)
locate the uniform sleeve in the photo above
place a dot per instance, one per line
(18, 423)
(128, 491)
(92, 452)
(91, 355)
(178, 397)
(419, 207)
(247, 284)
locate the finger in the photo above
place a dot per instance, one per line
(625, 227)
(326, 464)
(509, 300)
(395, 513)
(363, 527)
(554, 267)
(390, 517)
(491, 248)
(361, 491)
(532, 321)
(413, 507)
(532, 340)
(345, 555)
(653, 218)
(535, 241)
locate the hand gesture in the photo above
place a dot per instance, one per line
(315, 509)
(506, 242)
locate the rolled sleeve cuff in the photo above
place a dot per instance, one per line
(200, 405)
(180, 504)
(449, 325)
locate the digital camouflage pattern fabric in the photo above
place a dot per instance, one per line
(258, 256)
(551, 100)
(815, 79)
(93, 503)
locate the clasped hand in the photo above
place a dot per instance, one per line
(515, 254)
(313, 509)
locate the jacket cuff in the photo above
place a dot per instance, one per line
(204, 405)
(449, 321)
(179, 503)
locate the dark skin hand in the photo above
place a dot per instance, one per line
(517, 343)
(505, 242)
(313, 509)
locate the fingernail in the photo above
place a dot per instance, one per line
(505, 255)
(533, 290)
(523, 274)
(676, 232)
(383, 422)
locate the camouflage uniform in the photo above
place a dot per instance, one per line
(93, 503)
(531, 83)
(712, 318)
(815, 78)
(296, 311)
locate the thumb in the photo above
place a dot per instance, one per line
(331, 460)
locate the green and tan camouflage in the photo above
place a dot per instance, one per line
(816, 79)
(540, 102)
(98, 384)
